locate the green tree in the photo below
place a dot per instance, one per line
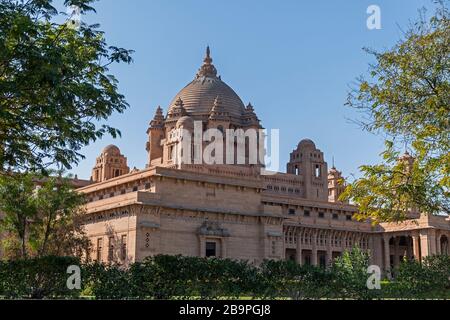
(407, 99)
(350, 274)
(43, 214)
(19, 209)
(55, 86)
(57, 229)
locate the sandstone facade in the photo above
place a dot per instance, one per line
(234, 211)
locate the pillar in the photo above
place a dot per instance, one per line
(438, 243)
(416, 246)
(314, 249)
(299, 248)
(424, 244)
(329, 248)
(387, 254)
(432, 241)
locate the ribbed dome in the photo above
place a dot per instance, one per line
(111, 149)
(307, 144)
(199, 95)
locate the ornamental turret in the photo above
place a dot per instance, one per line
(336, 185)
(155, 135)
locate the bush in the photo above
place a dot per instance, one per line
(177, 277)
(350, 275)
(106, 281)
(37, 278)
(429, 279)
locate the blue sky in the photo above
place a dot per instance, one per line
(293, 60)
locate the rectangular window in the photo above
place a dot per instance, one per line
(111, 249)
(123, 248)
(292, 212)
(349, 218)
(99, 249)
(321, 215)
(211, 249)
(335, 216)
(307, 213)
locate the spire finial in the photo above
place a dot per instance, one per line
(207, 69)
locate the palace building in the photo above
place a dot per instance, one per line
(235, 211)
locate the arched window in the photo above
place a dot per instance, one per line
(317, 172)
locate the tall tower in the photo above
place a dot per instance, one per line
(155, 134)
(110, 164)
(336, 185)
(308, 161)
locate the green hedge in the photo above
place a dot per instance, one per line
(177, 277)
(37, 278)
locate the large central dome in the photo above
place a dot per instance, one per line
(198, 96)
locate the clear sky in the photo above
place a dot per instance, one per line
(292, 59)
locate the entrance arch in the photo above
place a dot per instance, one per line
(444, 245)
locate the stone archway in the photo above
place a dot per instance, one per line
(444, 243)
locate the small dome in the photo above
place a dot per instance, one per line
(307, 144)
(111, 149)
(185, 122)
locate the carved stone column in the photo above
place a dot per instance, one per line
(438, 243)
(387, 254)
(416, 245)
(314, 248)
(424, 244)
(299, 247)
(432, 241)
(329, 248)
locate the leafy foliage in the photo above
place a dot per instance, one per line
(177, 277)
(55, 85)
(429, 279)
(350, 274)
(40, 216)
(407, 98)
(37, 278)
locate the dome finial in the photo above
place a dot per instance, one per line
(207, 69)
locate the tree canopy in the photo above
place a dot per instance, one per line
(41, 216)
(406, 97)
(55, 85)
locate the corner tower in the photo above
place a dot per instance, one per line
(308, 162)
(110, 164)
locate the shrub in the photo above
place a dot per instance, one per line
(429, 279)
(350, 275)
(37, 278)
